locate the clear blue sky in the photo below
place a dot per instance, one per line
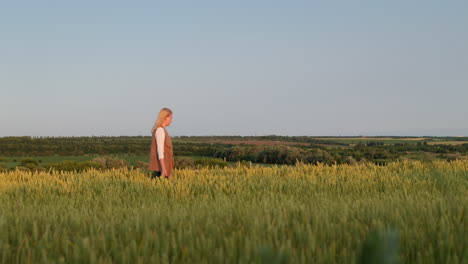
(81, 68)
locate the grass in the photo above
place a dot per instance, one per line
(245, 214)
(11, 162)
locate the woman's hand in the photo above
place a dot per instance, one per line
(163, 168)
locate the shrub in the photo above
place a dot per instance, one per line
(30, 166)
(3, 167)
(210, 162)
(111, 163)
(29, 162)
(350, 160)
(363, 161)
(184, 162)
(71, 165)
(452, 157)
(142, 165)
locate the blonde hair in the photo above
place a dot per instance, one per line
(165, 112)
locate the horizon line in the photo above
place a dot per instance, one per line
(266, 135)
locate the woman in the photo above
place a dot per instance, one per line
(161, 157)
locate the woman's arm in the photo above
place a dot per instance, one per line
(163, 168)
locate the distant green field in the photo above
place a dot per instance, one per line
(387, 141)
(11, 162)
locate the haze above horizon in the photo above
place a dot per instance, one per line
(314, 68)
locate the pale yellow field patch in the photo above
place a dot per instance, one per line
(447, 142)
(375, 138)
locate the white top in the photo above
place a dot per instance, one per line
(160, 137)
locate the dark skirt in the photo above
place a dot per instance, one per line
(155, 174)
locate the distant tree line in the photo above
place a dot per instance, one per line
(298, 139)
(78, 146)
(291, 155)
(375, 151)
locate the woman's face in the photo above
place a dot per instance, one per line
(168, 120)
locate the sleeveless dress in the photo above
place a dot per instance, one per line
(168, 154)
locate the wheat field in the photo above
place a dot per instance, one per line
(242, 214)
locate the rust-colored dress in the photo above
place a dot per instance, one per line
(168, 154)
